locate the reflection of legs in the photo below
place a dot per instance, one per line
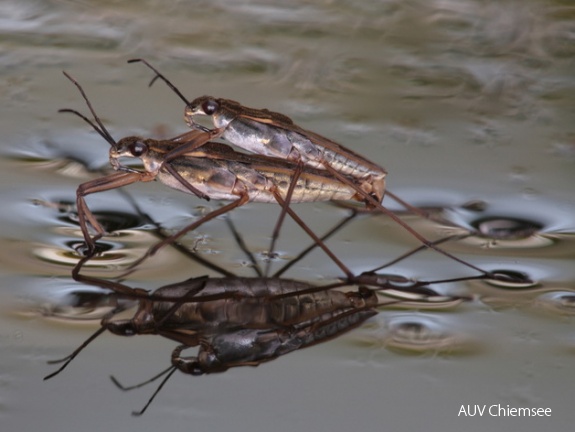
(285, 208)
(418, 249)
(176, 358)
(242, 245)
(315, 238)
(240, 241)
(170, 371)
(314, 245)
(142, 384)
(241, 201)
(194, 287)
(277, 228)
(373, 203)
(171, 239)
(159, 232)
(77, 351)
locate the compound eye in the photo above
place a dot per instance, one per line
(138, 148)
(210, 106)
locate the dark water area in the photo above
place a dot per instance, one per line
(469, 105)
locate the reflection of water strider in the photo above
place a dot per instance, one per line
(244, 321)
(234, 321)
(239, 321)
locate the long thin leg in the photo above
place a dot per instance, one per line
(242, 245)
(373, 202)
(320, 243)
(168, 240)
(183, 181)
(406, 205)
(164, 381)
(71, 357)
(85, 216)
(279, 223)
(117, 287)
(191, 141)
(161, 235)
(416, 250)
(142, 384)
(314, 245)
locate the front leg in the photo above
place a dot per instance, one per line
(85, 215)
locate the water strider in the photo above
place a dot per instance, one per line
(211, 170)
(273, 134)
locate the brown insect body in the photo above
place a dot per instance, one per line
(252, 347)
(221, 173)
(238, 321)
(214, 172)
(279, 315)
(238, 303)
(273, 134)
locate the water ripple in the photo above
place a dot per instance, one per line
(420, 334)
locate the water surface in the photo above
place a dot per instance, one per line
(459, 100)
